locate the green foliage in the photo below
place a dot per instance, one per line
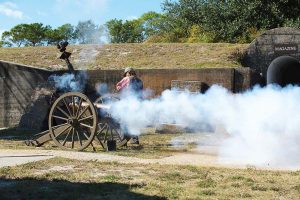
(130, 31)
(67, 32)
(231, 21)
(115, 29)
(62, 33)
(295, 23)
(191, 21)
(152, 23)
(25, 34)
(15, 36)
(35, 33)
(53, 36)
(197, 34)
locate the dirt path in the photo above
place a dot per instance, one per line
(206, 154)
(16, 157)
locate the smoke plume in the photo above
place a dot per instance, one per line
(70, 82)
(263, 124)
(87, 56)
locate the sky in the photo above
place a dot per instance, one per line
(58, 12)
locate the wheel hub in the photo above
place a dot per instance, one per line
(73, 122)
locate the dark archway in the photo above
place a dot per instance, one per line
(284, 70)
(271, 44)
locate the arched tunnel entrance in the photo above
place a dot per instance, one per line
(284, 70)
(275, 56)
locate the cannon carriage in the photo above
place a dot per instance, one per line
(75, 123)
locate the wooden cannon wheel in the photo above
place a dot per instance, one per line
(108, 128)
(73, 121)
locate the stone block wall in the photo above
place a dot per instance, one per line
(270, 45)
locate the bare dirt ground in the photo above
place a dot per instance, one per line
(205, 154)
(204, 157)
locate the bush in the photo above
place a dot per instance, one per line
(198, 35)
(292, 23)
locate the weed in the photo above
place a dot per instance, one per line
(117, 56)
(207, 183)
(208, 192)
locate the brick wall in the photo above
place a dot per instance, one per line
(18, 83)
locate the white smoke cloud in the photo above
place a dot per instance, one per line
(263, 124)
(70, 82)
(87, 55)
(10, 9)
(102, 89)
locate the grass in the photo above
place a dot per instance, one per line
(152, 145)
(117, 56)
(112, 180)
(61, 178)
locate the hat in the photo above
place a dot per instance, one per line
(128, 69)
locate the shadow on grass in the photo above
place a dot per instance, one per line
(60, 189)
(15, 134)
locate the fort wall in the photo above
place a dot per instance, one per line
(18, 84)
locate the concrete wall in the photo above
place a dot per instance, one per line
(18, 84)
(234, 79)
(245, 78)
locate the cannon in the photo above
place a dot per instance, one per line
(75, 122)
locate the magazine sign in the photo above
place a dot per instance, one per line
(284, 49)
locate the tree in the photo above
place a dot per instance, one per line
(181, 16)
(62, 33)
(229, 20)
(152, 23)
(53, 36)
(15, 36)
(115, 27)
(35, 33)
(67, 32)
(6, 39)
(131, 31)
(87, 32)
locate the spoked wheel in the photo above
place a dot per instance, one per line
(108, 128)
(73, 121)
